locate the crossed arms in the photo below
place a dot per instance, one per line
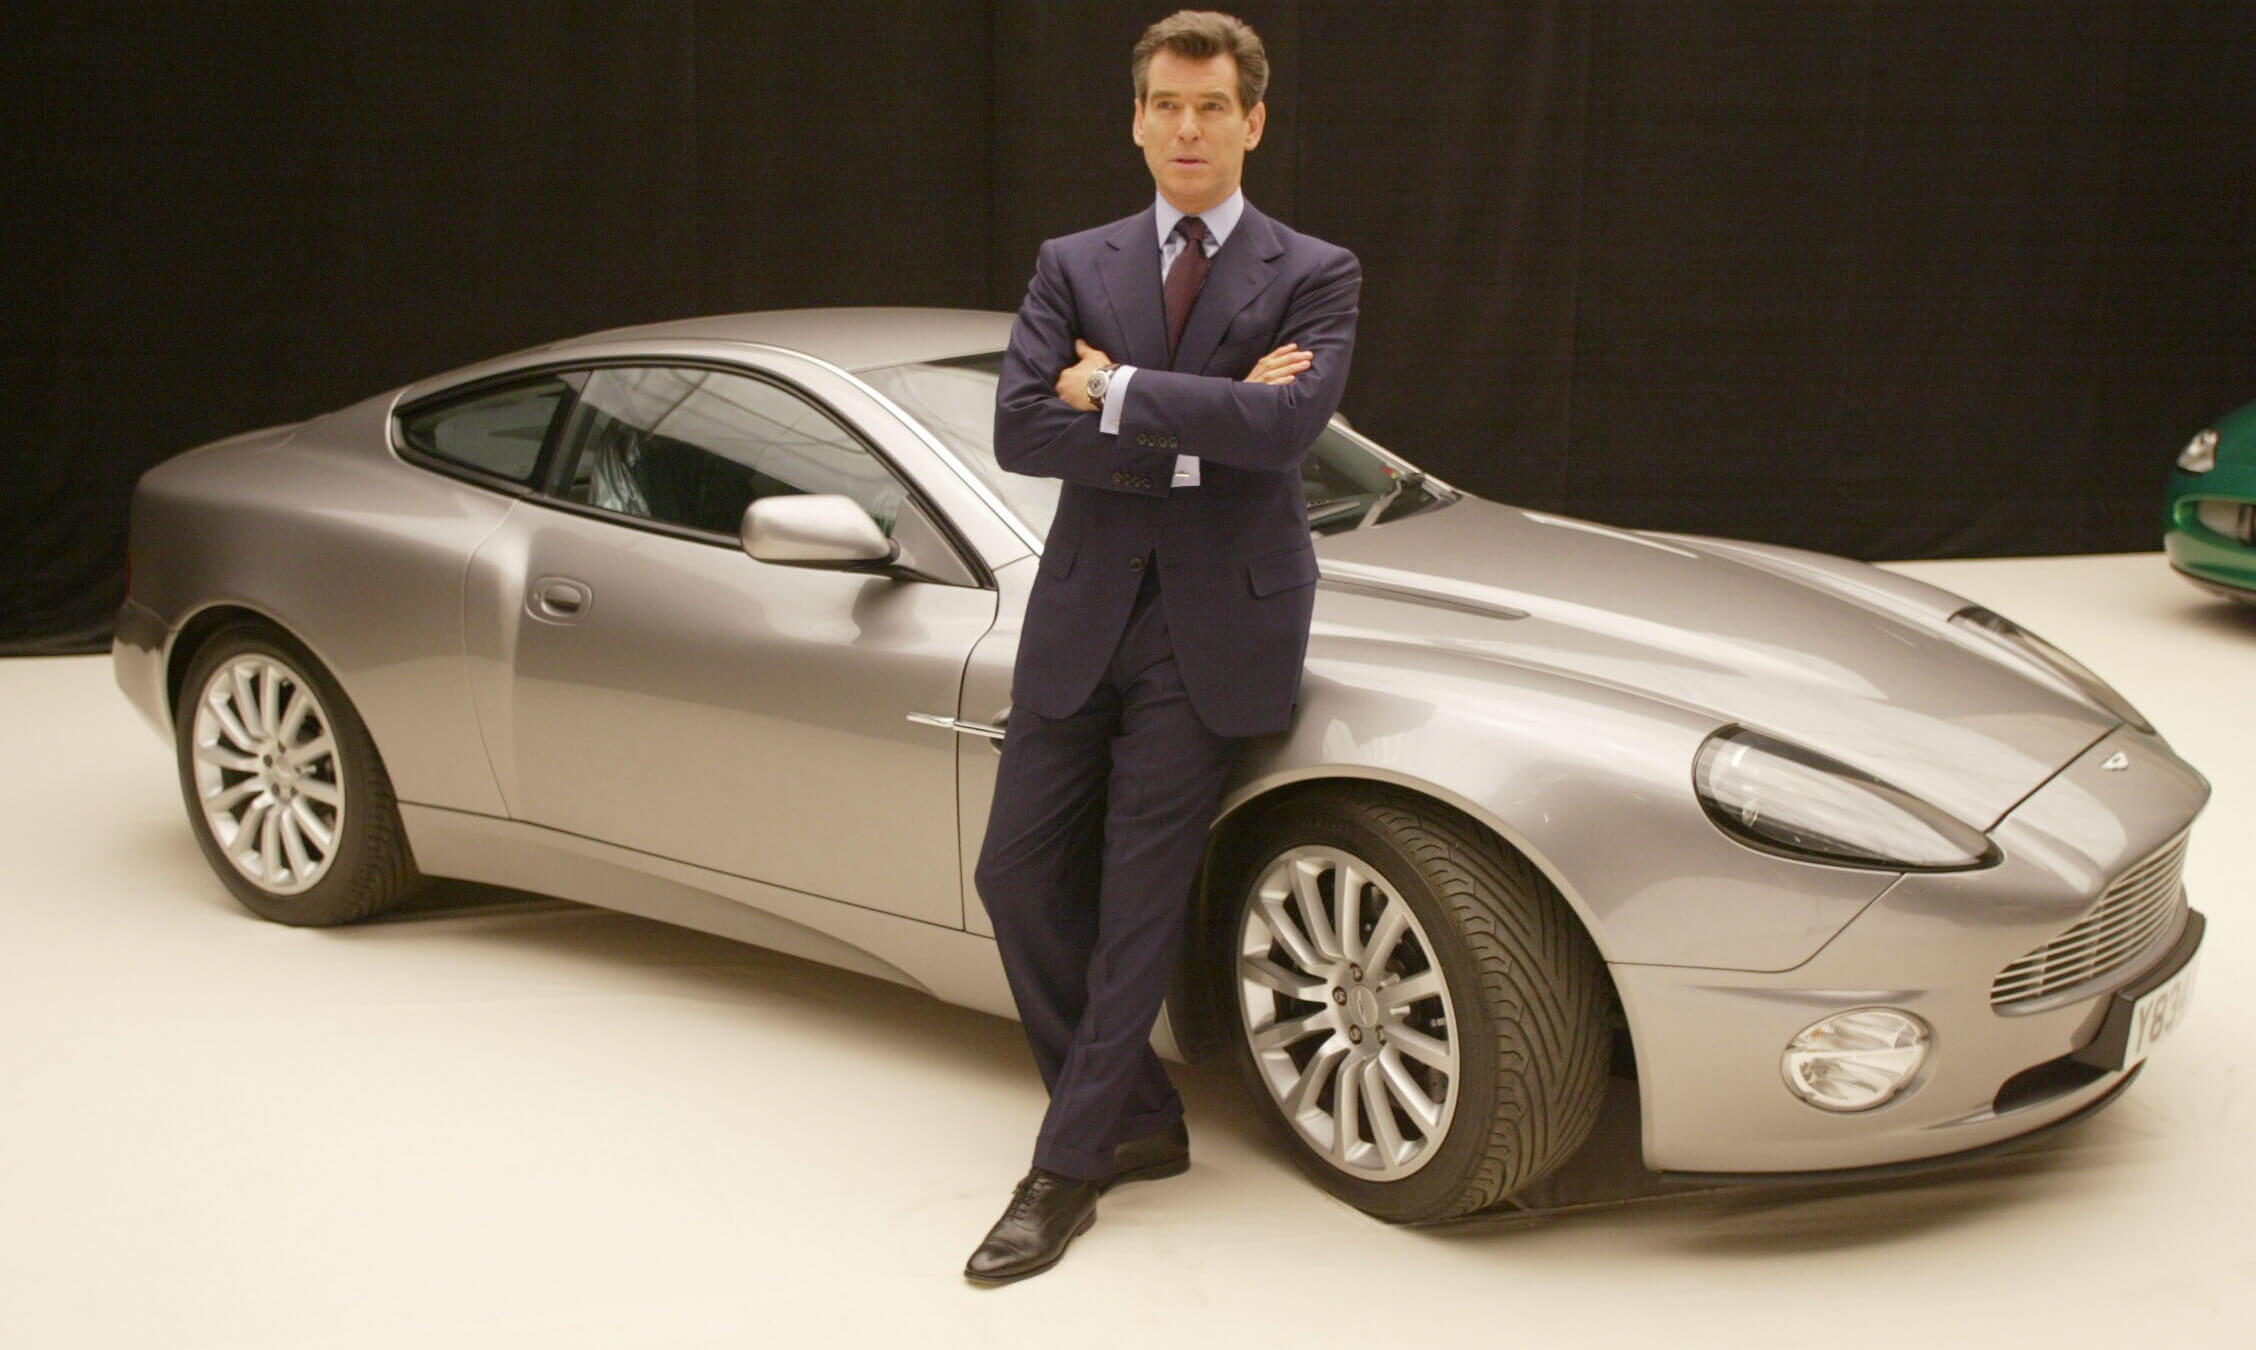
(1263, 420)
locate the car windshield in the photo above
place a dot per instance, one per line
(1349, 482)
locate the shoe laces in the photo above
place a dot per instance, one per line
(1031, 1189)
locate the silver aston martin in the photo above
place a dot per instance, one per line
(713, 621)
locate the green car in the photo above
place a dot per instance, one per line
(2211, 532)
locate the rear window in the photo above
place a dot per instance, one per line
(497, 432)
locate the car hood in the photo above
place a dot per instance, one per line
(2236, 436)
(1844, 659)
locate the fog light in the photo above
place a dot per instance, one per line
(1854, 1061)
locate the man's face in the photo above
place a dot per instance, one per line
(1194, 132)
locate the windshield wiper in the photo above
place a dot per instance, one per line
(1414, 478)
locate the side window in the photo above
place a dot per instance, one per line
(498, 432)
(696, 447)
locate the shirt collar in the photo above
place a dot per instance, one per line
(1219, 221)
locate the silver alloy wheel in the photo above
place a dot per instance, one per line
(1347, 1013)
(266, 773)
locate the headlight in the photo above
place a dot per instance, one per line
(2200, 454)
(1786, 799)
(2063, 666)
(1854, 1061)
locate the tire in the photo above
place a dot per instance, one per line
(1468, 1057)
(284, 789)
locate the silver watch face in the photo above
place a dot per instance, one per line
(1099, 381)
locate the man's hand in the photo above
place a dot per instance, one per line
(1281, 366)
(1073, 381)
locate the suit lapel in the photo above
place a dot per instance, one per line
(1243, 268)
(1129, 267)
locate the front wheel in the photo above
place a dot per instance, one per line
(283, 785)
(1416, 1007)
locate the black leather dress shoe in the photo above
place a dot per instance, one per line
(1162, 1153)
(1046, 1212)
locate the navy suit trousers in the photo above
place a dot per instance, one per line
(1094, 841)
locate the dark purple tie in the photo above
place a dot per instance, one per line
(1184, 279)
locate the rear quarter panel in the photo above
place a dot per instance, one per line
(328, 535)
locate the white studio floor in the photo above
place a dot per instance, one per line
(519, 1123)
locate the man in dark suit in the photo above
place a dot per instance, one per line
(1172, 369)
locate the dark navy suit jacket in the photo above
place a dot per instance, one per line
(1237, 575)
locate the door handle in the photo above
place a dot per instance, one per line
(960, 726)
(559, 600)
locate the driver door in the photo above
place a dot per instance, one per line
(643, 682)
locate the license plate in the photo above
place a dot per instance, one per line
(2159, 1012)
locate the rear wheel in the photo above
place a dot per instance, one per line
(284, 789)
(1416, 1007)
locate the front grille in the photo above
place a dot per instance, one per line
(2233, 520)
(2133, 912)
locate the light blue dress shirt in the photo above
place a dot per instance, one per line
(1219, 222)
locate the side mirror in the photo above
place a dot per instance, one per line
(819, 530)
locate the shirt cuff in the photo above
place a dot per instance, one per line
(1116, 396)
(1186, 471)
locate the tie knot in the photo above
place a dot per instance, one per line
(1192, 229)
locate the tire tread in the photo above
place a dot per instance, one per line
(1542, 986)
(1536, 967)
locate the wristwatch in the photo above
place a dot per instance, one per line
(1099, 381)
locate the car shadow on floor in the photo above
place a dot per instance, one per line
(2225, 618)
(685, 963)
(1607, 1179)
(1606, 1182)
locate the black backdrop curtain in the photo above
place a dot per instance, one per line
(1885, 279)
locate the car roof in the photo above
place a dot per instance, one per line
(853, 339)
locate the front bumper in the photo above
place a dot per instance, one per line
(1708, 1042)
(2211, 558)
